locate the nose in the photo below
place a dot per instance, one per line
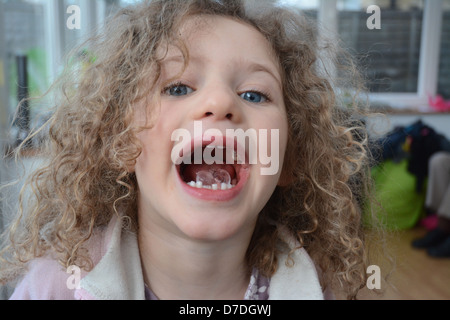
(217, 103)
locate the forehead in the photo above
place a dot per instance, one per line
(208, 37)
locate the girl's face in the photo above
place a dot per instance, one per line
(232, 81)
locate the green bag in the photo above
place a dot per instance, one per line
(395, 190)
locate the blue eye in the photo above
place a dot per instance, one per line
(177, 90)
(253, 96)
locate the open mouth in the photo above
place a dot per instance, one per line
(219, 171)
(213, 170)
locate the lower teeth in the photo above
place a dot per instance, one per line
(214, 186)
(214, 179)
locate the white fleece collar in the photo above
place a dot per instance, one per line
(118, 275)
(295, 282)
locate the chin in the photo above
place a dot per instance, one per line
(215, 224)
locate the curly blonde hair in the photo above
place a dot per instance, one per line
(92, 144)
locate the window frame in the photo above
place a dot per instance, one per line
(428, 76)
(92, 14)
(428, 64)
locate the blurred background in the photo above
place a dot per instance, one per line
(406, 62)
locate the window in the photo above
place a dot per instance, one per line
(402, 58)
(444, 65)
(37, 31)
(24, 45)
(390, 54)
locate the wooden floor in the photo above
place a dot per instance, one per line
(415, 275)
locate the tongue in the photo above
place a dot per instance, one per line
(209, 174)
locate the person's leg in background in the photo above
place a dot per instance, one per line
(443, 249)
(437, 241)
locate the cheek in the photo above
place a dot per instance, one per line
(278, 144)
(283, 132)
(277, 132)
(156, 149)
(272, 141)
(283, 142)
(149, 154)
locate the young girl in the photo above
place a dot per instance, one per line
(118, 214)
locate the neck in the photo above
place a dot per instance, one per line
(180, 268)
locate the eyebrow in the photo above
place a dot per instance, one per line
(253, 67)
(243, 63)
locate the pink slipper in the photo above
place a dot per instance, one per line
(430, 222)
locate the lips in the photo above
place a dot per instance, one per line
(213, 170)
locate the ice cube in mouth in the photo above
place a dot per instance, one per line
(213, 176)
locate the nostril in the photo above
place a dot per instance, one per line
(228, 116)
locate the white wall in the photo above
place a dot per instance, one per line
(379, 125)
